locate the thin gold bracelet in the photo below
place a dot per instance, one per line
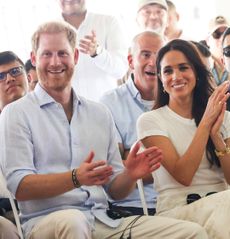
(223, 152)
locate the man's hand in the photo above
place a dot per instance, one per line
(140, 164)
(93, 173)
(88, 45)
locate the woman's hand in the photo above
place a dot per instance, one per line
(214, 112)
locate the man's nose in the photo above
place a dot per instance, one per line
(9, 77)
(55, 60)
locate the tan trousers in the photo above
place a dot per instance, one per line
(7, 229)
(212, 213)
(72, 224)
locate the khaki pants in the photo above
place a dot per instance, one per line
(72, 224)
(7, 229)
(211, 212)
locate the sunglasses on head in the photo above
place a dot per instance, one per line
(226, 51)
(217, 34)
(194, 197)
(14, 72)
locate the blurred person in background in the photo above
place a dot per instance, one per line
(173, 29)
(152, 15)
(217, 26)
(31, 75)
(103, 49)
(13, 85)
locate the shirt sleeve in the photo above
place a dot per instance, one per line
(16, 143)
(113, 58)
(149, 124)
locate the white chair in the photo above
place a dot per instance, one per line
(140, 186)
(7, 194)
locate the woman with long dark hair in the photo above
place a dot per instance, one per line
(192, 127)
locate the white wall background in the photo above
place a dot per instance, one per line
(19, 18)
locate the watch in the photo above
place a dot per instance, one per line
(98, 51)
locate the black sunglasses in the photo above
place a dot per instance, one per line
(226, 51)
(14, 72)
(194, 197)
(217, 34)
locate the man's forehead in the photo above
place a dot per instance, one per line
(7, 66)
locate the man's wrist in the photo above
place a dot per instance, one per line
(98, 51)
(75, 180)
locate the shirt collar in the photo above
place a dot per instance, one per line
(132, 88)
(44, 98)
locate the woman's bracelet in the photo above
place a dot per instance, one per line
(75, 181)
(223, 152)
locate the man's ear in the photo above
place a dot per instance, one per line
(130, 61)
(33, 58)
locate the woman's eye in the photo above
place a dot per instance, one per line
(184, 68)
(167, 71)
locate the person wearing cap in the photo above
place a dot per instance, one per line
(152, 15)
(217, 26)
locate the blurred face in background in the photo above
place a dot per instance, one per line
(173, 19)
(32, 79)
(152, 17)
(226, 52)
(215, 41)
(70, 7)
(13, 83)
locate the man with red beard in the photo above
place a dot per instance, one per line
(13, 85)
(60, 155)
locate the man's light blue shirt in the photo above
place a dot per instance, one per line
(36, 138)
(126, 106)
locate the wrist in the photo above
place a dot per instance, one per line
(97, 52)
(223, 151)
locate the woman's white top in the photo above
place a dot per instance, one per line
(180, 131)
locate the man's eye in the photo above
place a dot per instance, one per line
(63, 53)
(46, 54)
(15, 71)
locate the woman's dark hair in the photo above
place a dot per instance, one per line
(202, 90)
(8, 57)
(226, 33)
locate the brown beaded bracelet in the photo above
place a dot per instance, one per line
(75, 181)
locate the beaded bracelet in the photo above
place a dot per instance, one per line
(75, 181)
(223, 152)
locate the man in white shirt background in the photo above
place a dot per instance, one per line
(103, 49)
